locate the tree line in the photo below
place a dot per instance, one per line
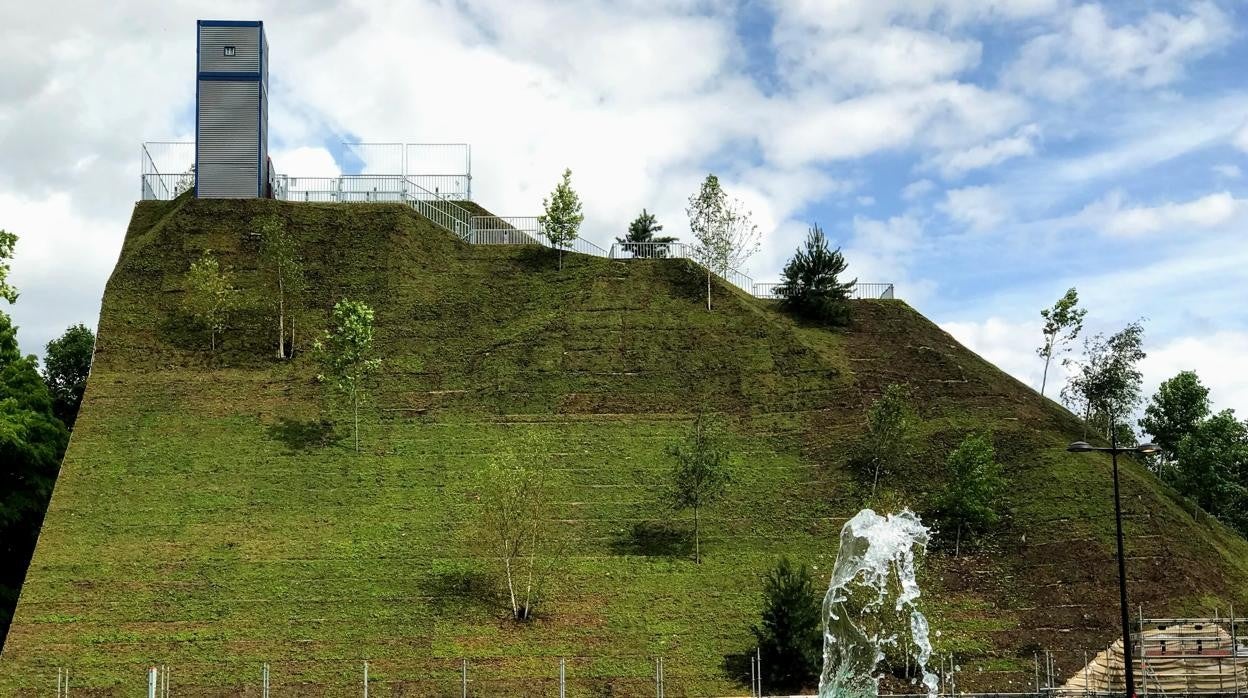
(37, 410)
(1204, 454)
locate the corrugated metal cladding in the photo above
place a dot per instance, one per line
(228, 147)
(232, 114)
(213, 41)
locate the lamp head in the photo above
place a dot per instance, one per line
(1080, 447)
(1148, 449)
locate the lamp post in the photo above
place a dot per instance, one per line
(1114, 449)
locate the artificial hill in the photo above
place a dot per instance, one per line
(207, 519)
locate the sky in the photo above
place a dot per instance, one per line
(982, 155)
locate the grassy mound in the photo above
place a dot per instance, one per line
(208, 518)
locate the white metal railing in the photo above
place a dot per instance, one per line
(773, 291)
(505, 230)
(442, 168)
(166, 169)
(651, 250)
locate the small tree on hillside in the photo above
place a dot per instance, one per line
(345, 352)
(811, 285)
(969, 501)
(1062, 323)
(1176, 410)
(279, 257)
(66, 364)
(514, 515)
(1106, 384)
(642, 241)
(561, 220)
(887, 441)
(725, 232)
(790, 633)
(700, 476)
(210, 297)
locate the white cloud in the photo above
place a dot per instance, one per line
(942, 115)
(866, 200)
(1241, 139)
(954, 164)
(847, 15)
(980, 208)
(917, 189)
(1218, 358)
(1113, 215)
(884, 57)
(307, 162)
(884, 251)
(1228, 171)
(1149, 53)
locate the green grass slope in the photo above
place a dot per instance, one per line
(206, 520)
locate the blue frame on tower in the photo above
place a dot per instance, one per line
(231, 109)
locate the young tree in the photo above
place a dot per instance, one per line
(887, 442)
(279, 257)
(725, 232)
(1212, 468)
(1062, 323)
(641, 240)
(561, 220)
(514, 516)
(210, 296)
(66, 364)
(1176, 410)
(700, 476)
(345, 352)
(811, 285)
(790, 633)
(1106, 384)
(969, 501)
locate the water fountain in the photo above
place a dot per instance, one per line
(875, 550)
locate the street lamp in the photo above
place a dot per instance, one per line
(1114, 449)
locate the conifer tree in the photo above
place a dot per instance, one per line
(641, 241)
(811, 285)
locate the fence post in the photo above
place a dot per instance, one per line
(464, 679)
(365, 679)
(151, 682)
(562, 678)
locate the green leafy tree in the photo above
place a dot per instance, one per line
(1107, 381)
(1212, 468)
(32, 441)
(790, 633)
(700, 476)
(642, 241)
(211, 297)
(514, 504)
(562, 217)
(345, 353)
(279, 257)
(888, 439)
(1177, 408)
(66, 365)
(1062, 324)
(811, 285)
(969, 501)
(8, 242)
(723, 229)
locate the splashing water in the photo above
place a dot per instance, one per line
(874, 550)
